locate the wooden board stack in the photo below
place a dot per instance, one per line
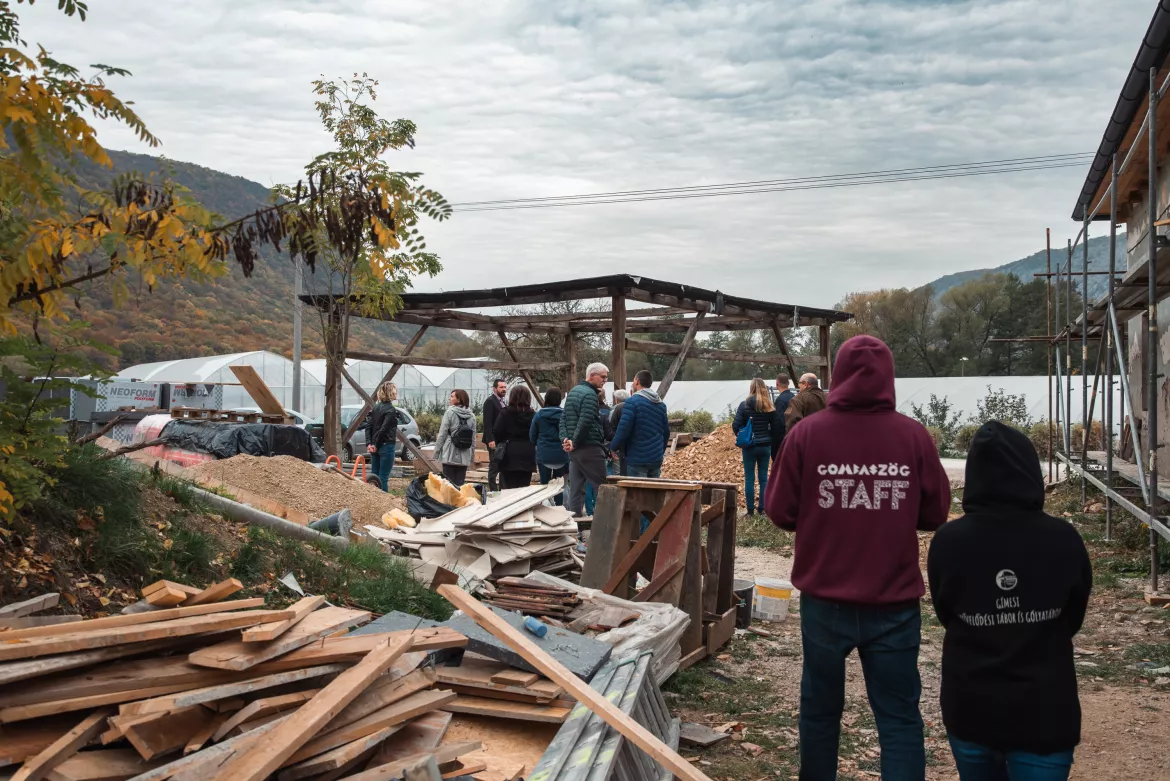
(202, 689)
(532, 598)
(489, 688)
(512, 535)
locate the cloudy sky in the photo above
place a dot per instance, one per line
(519, 99)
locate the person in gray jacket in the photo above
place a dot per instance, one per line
(455, 445)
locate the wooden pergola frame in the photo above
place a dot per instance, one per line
(674, 308)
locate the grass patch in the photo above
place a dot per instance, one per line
(758, 531)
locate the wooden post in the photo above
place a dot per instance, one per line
(617, 371)
(410, 446)
(827, 355)
(677, 363)
(784, 350)
(365, 410)
(571, 357)
(523, 372)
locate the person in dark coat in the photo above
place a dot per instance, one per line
(784, 394)
(1010, 584)
(382, 432)
(512, 428)
(615, 419)
(492, 407)
(545, 432)
(767, 425)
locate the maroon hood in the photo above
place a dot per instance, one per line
(863, 376)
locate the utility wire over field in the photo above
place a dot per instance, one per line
(888, 176)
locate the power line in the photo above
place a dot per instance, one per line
(888, 176)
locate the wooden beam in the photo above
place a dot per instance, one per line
(826, 347)
(523, 372)
(779, 332)
(617, 369)
(282, 742)
(30, 606)
(585, 694)
(455, 363)
(622, 570)
(571, 355)
(37, 767)
(302, 608)
(456, 320)
(687, 343)
(666, 348)
(258, 390)
(360, 418)
(215, 593)
(242, 655)
(131, 619)
(410, 446)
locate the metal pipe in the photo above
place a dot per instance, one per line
(1127, 410)
(1060, 404)
(298, 288)
(1047, 320)
(1152, 331)
(1107, 402)
(1085, 423)
(1068, 287)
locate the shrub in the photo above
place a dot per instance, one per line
(428, 425)
(963, 437)
(938, 415)
(1096, 436)
(1038, 433)
(939, 438)
(1010, 408)
(699, 422)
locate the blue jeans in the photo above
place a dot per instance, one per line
(548, 474)
(979, 763)
(886, 639)
(383, 463)
(591, 492)
(755, 459)
(644, 470)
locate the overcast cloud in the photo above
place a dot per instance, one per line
(521, 99)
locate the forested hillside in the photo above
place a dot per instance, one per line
(231, 314)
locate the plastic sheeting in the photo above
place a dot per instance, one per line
(658, 630)
(224, 440)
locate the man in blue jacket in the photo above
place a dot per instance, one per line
(643, 431)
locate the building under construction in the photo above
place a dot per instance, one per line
(1124, 336)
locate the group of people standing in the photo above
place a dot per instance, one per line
(1010, 584)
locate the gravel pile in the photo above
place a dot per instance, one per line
(714, 458)
(302, 486)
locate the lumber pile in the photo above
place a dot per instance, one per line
(512, 535)
(206, 688)
(532, 598)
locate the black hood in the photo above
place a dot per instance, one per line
(1003, 471)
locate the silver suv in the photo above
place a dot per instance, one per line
(357, 444)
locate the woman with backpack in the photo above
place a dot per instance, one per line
(756, 423)
(545, 432)
(382, 431)
(518, 459)
(455, 445)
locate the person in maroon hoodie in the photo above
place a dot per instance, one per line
(856, 482)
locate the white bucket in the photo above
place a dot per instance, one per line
(771, 599)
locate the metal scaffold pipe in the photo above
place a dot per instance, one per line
(1107, 406)
(1152, 329)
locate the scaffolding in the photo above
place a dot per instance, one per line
(1123, 324)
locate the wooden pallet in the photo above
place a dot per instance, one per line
(226, 416)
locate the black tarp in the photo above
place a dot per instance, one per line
(224, 440)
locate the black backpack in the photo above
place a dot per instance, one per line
(464, 437)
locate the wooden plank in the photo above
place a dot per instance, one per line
(694, 657)
(622, 571)
(258, 390)
(355, 764)
(715, 523)
(726, 577)
(660, 581)
(166, 597)
(32, 647)
(31, 622)
(30, 606)
(504, 709)
(667, 348)
(107, 765)
(423, 770)
(719, 632)
(459, 363)
(204, 734)
(676, 364)
(700, 735)
(302, 608)
(263, 707)
(478, 673)
(21, 741)
(383, 693)
(396, 713)
(159, 585)
(293, 733)
(12, 672)
(585, 694)
(464, 770)
(149, 617)
(393, 769)
(690, 592)
(218, 592)
(37, 710)
(166, 732)
(352, 648)
(514, 677)
(336, 758)
(610, 539)
(200, 765)
(212, 693)
(241, 655)
(712, 512)
(37, 767)
(419, 736)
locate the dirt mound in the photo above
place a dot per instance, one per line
(302, 486)
(714, 458)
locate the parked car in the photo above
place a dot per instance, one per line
(299, 418)
(357, 444)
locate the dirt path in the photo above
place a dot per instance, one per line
(756, 682)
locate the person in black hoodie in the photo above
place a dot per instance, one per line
(518, 461)
(1010, 585)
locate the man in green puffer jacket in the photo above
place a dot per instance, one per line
(582, 436)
